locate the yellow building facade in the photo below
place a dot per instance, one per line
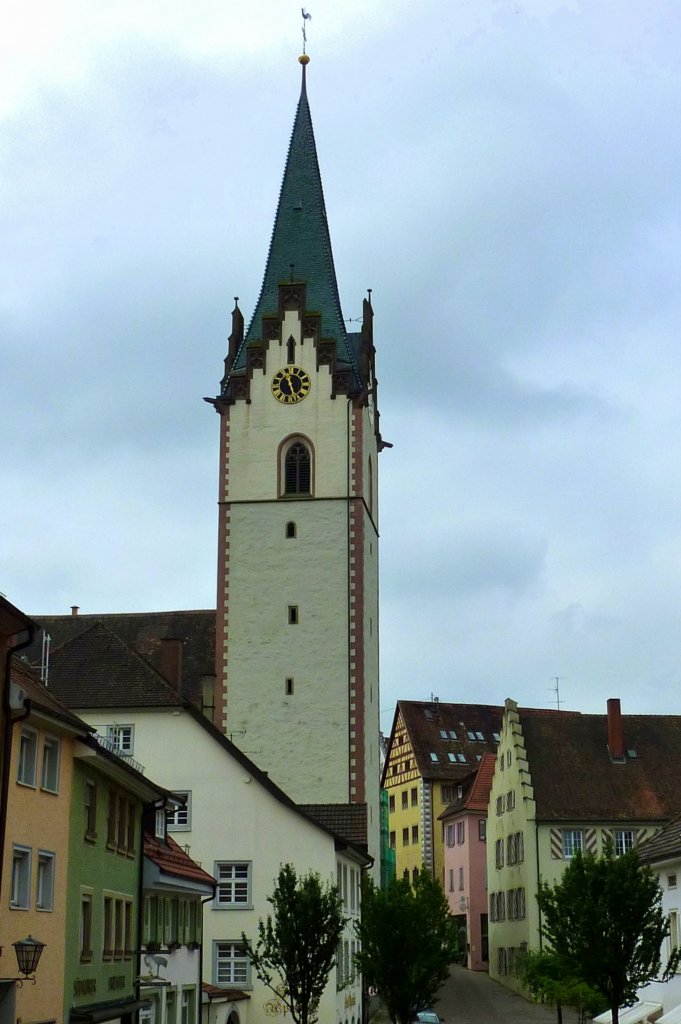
(35, 855)
(433, 746)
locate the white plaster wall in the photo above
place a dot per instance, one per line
(372, 689)
(668, 993)
(257, 427)
(267, 574)
(234, 818)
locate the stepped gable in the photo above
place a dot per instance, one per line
(575, 779)
(348, 821)
(144, 632)
(97, 669)
(664, 845)
(172, 860)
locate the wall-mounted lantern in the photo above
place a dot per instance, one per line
(29, 951)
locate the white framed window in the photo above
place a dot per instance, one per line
(50, 772)
(122, 737)
(451, 879)
(180, 819)
(450, 835)
(44, 893)
(187, 1006)
(573, 842)
(231, 965)
(625, 840)
(234, 884)
(28, 757)
(671, 881)
(20, 896)
(160, 823)
(460, 833)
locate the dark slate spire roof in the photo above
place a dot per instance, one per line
(301, 237)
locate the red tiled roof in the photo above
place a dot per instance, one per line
(215, 992)
(475, 789)
(173, 860)
(478, 797)
(575, 779)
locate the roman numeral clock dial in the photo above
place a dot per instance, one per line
(291, 384)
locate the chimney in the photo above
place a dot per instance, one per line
(171, 661)
(74, 611)
(615, 731)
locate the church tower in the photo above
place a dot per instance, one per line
(297, 606)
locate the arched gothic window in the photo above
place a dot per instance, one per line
(297, 469)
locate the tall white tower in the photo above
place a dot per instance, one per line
(297, 626)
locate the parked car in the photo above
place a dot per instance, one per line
(429, 1017)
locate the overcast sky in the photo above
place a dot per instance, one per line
(504, 174)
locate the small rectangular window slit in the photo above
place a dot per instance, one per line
(293, 614)
(289, 687)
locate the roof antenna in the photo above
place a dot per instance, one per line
(306, 17)
(556, 690)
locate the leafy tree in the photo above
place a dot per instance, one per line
(407, 942)
(545, 977)
(605, 924)
(298, 942)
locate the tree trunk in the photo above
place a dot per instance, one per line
(559, 1013)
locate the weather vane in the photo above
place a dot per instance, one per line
(306, 17)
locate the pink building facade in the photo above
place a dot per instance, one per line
(465, 833)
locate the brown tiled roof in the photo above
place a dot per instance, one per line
(42, 699)
(97, 669)
(348, 821)
(234, 995)
(424, 721)
(574, 778)
(143, 632)
(173, 860)
(664, 845)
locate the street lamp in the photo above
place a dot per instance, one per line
(29, 951)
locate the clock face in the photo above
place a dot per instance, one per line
(291, 384)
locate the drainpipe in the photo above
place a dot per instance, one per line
(536, 847)
(208, 899)
(29, 633)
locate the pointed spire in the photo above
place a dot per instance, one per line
(300, 247)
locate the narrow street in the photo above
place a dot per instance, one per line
(472, 997)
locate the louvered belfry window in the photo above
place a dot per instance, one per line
(297, 469)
